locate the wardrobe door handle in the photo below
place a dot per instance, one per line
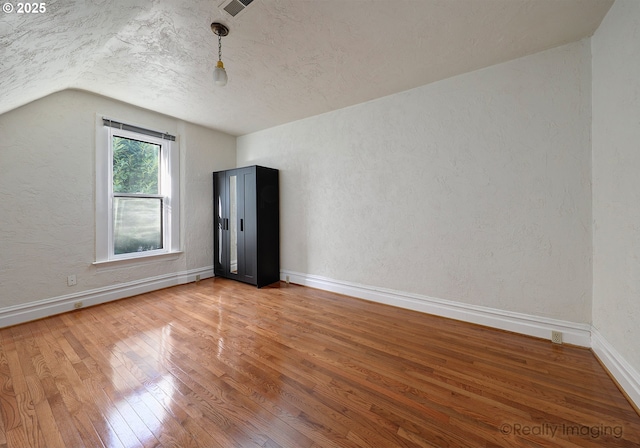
(226, 223)
(242, 225)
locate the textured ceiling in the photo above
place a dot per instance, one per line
(286, 59)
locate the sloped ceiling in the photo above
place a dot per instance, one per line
(286, 59)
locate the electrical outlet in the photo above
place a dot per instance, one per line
(556, 337)
(71, 280)
(197, 278)
(77, 305)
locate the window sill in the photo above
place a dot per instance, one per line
(136, 261)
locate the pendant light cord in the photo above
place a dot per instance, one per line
(219, 48)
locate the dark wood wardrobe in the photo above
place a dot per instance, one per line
(246, 223)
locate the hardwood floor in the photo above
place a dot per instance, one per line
(222, 364)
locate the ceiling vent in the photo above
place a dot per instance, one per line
(235, 7)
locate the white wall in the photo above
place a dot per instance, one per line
(47, 207)
(616, 180)
(473, 189)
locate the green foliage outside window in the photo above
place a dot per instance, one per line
(135, 166)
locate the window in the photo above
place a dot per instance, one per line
(137, 212)
(137, 200)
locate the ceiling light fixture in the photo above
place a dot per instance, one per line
(219, 73)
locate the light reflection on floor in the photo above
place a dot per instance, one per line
(143, 385)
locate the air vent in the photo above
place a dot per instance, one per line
(235, 7)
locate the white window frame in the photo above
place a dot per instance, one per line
(169, 190)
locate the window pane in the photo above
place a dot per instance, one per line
(135, 166)
(137, 225)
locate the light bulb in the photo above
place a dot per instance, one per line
(220, 75)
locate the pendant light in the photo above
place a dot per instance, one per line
(219, 73)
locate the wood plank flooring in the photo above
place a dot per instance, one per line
(222, 364)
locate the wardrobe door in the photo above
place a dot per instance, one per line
(220, 225)
(234, 235)
(247, 242)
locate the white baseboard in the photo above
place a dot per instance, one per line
(18, 314)
(627, 377)
(541, 327)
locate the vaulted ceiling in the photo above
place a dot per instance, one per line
(286, 59)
